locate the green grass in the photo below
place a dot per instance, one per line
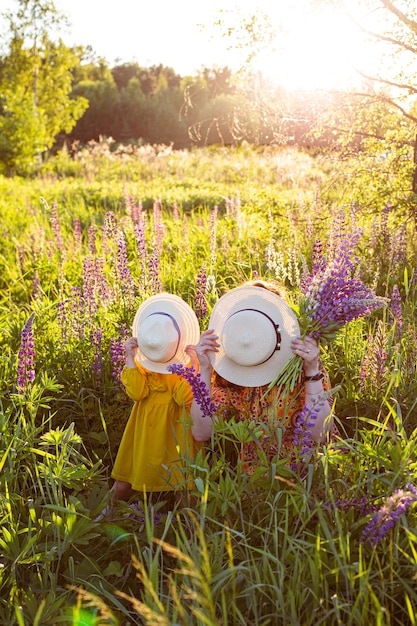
(275, 547)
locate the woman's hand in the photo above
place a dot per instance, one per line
(309, 351)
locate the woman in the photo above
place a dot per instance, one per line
(253, 333)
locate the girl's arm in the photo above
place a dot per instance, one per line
(131, 346)
(133, 379)
(202, 425)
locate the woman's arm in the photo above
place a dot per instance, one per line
(309, 352)
(202, 425)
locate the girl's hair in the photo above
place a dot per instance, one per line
(271, 285)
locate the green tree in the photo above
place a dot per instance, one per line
(376, 119)
(103, 114)
(36, 76)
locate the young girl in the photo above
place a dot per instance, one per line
(158, 434)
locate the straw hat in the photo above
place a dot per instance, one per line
(164, 325)
(255, 328)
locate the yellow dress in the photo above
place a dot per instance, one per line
(158, 433)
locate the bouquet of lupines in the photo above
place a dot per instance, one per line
(331, 296)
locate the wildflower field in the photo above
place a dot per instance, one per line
(331, 539)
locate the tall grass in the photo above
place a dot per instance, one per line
(82, 246)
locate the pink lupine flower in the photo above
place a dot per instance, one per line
(26, 357)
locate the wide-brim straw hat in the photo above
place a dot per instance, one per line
(164, 325)
(255, 328)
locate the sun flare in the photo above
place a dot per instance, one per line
(314, 50)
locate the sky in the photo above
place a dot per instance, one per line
(313, 51)
(148, 31)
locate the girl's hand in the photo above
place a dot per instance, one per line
(190, 350)
(131, 345)
(309, 351)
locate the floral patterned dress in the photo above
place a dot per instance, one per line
(273, 416)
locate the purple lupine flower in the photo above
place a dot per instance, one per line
(91, 239)
(117, 353)
(105, 246)
(395, 309)
(157, 212)
(123, 273)
(318, 259)
(56, 228)
(337, 231)
(199, 388)
(138, 514)
(399, 247)
(374, 369)
(331, 298)
(137, 213)
(361, 507)
(389, 513)
(154, 279)
(128, 201)
(410, 355)
(110, 224)
(200, 303)
(233, 207)
(62, 319)
(159, 237)
(77, 308)
(304, 423)
(302, 438)
(140, 236)
(103, 292)
(384, 230)
(175, 211)
(363, 374)
(26, 356)
(89, 281)
(213, 242)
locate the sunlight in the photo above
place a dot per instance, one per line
(315, 50)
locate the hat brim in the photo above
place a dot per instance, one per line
(261, 299)
(185, 318)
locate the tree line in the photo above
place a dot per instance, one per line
(154, 105)
(51, 95)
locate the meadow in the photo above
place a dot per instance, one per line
(331, 539)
